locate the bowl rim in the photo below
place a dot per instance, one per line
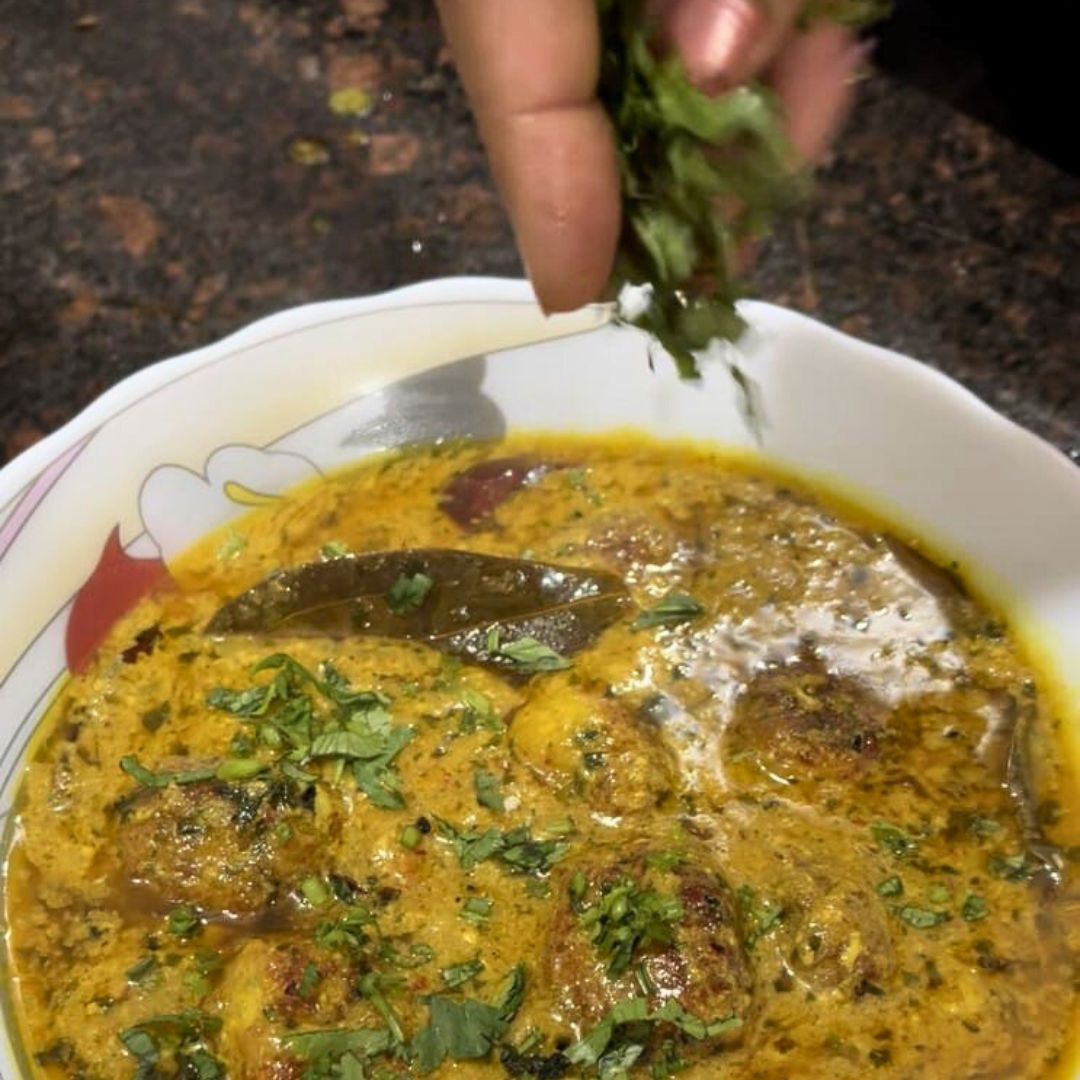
(128, 391)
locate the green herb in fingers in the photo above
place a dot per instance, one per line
(681, 153)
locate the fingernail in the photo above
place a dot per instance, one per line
(715, 38)
(856, 59)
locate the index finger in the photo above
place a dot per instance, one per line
(530, 68)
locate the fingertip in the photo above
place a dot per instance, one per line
(716, 39)
(560, 179)
(815, 77)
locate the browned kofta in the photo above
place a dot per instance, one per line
(224, 847)
(589, 746)
(273, 989)
(799, 723)
(803, 732)
(811, 913)
(654, 921)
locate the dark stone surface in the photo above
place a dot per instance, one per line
(151, 200)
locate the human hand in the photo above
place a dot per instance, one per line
(530, 68)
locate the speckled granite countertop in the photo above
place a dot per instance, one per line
(170, 171)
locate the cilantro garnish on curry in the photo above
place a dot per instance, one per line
(583, 758)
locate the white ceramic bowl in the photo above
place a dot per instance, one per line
(92, 516)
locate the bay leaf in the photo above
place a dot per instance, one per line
(562, 607)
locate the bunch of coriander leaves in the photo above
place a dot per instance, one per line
(683, 155)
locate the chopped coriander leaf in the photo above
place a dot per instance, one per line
(198, 1064)
(309, 982)
(251, 702)
(488, 794)
(894, 840)
(294, 772)
(471, 848)
(515, 849)
(205, 966)
(459, 1030)
(198, 984)
(527, 654)
(154, 718)
(671, 1012)
(183, 921)
(190, 1024)
(921, 918)
(378, 781)
(891, 886)
(376, 777)
(240, 746)
(667, 1061)
(466, 1029)
(511, 993)
(336, 688)
(1010, 867)
(458, 974)
(562, 827)
(530, 1041)
(408, 593)
(477, 909)
(419, 954)
(524, 855)
(675, 608)
(334, 549)
(351, 745)
(664, 860)
(348, 932)
(314, 892)
(372, 986)
(364, 1042)
(983, 826)
(478, 713)
(626, 918)
(140, 1045)
(147, 778)
(589, 1050)
(578, 888)
(411, 837)
(183, 1035)
(144, 971)
(231, 546)
(538, 888)
(579, 481)
(760, 915)
(238, 769)
(449, 673)
(974, 909)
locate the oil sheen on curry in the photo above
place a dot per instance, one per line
(576, 758)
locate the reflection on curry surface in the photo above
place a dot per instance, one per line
(742, 787)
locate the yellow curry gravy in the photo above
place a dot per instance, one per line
(803, 810)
